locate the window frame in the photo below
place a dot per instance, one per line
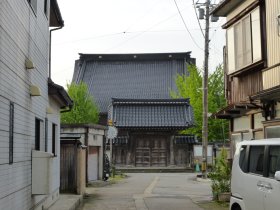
(38, 134)
(11, 132)
(239, 64)
(263, 160)
(33, 5)
(46, 8)
(266, 161)
(54, 139)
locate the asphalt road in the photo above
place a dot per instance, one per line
(150, 191)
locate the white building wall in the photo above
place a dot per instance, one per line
(22, 35)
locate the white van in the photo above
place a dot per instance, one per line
(255, 182)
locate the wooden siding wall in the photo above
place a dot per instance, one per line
(22, 35)
(239, 9)
(242, 87)
(271, 77)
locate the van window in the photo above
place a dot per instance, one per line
(256, 157)
(274, 160)
(242, 161)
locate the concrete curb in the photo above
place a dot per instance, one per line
(67, 202)
(203, 180)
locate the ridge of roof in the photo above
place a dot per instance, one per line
(150, 101)
(137, 56)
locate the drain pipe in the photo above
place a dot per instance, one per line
(50, 46)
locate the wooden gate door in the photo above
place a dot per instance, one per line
(143, 152)
(68, 168)
(151, 151)
(159, 152)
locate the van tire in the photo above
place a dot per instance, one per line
(235, 206)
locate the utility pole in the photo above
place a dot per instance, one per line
(204, 12)
(205, 91)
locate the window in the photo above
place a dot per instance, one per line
(33, 4)
(272, 132)
(274, 160)
(54, 133)
(242, 159)
(11, 133)
(256, 158)
(244, 42)
(46, 134)
(38, 133)
(46, 11)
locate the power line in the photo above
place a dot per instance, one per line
(141, 17)
(89, 38)
(186, 26)
(147, 30)
(198, 19)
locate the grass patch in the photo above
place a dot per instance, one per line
(213, 205)
(117, 178)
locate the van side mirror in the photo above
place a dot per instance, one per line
(277, 175)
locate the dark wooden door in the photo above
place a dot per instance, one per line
(150, 151)
(159, 152)
(143, 152)
(68, 168)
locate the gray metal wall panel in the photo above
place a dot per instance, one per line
(271, 78)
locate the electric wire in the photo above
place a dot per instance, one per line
(147, 30)
(187, 26)
(141, 17)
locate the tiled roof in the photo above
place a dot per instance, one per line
(185, 139)
(130, 76)
(152, 114)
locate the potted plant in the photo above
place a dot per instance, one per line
(220, 177)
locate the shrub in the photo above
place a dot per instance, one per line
(220, 176)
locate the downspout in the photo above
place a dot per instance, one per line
(50, 46)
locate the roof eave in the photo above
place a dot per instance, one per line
(225, 7)
(56, 19)
(138, 56)
(59, 93)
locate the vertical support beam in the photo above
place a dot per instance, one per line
(86, 143)
(172, 138)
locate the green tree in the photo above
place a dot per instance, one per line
(84, 110)
(190, 86)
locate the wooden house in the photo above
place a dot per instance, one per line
(252, 67)
(135, 90)
(30, 105)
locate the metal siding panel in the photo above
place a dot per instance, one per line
(22, 35)
(271, 78)
(273, 40)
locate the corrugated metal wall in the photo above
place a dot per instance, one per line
(271, 77)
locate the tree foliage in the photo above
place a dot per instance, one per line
(84, 110)
(190, 86)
